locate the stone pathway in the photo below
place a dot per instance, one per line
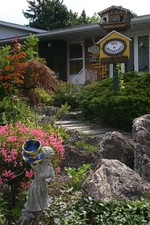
(71, 122)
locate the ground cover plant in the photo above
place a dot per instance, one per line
(72, 207)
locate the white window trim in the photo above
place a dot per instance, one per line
(149, 53)
(136, 66)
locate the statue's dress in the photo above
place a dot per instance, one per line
(38, 192)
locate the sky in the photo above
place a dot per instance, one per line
(11, 10)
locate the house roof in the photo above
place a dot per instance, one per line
(110, 35)
(112, 7)
(139, 24)
(75, 32)
(67, 34)
(21, 27)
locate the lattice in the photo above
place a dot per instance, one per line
(103, 69)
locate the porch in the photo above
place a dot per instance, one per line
(86, 76)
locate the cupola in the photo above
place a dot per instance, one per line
(115, 18)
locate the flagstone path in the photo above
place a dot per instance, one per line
(72, 122)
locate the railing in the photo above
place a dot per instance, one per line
(79, 78)
(90, 76)
(85, 76)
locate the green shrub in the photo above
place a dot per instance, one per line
(45, 98)
(99, 102)
(120, 111)
(13, 109)
(66, 93)
(91, 91)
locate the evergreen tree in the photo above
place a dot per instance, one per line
(53, 14)
(84, 19)
(47, 14)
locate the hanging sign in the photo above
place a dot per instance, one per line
(93, 57)
(114, 48)
(94, 49)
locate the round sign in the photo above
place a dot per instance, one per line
(114, 47)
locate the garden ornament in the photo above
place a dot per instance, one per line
(32, 151)
(40, 160)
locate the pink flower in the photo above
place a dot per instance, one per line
(29, 174)
(9, 174)
(3, 130)
(56, 142)
(12, 138)
(20, 164)
(38, 133)
(3, 151)
(14, 154)
(24, 186)
(8, 158)
(58, 170)
(1, 180)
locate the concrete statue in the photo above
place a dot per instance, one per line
(40, 161)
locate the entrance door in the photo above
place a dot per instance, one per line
(75, 60)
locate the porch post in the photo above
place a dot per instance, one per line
(83, 54)
(115, 77)
(136, 67)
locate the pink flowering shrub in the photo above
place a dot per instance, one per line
(13, 169)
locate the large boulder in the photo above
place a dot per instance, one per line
(75, 157)
(116, 146)
(141, 137)
(114, 180)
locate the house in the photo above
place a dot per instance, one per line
(73, 53)
(8, 31)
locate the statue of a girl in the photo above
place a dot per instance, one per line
(40, 160)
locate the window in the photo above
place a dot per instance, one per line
(75, 58)
(121, 18)
(104, 20)
(143, 53)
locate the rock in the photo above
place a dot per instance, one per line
(114, 180)
(47, 110)
(141, 137)
(76, 136)
(115, 146)
(75, 157)
(69, 116)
